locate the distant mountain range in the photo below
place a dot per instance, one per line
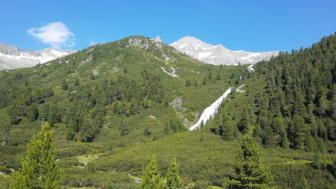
(12, 57)
(217, 54)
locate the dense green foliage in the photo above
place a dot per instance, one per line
(108, 97)
(111, 104)
(39, 169)
(151, 178)
(173, 176)
(249, 172)
(289, 101)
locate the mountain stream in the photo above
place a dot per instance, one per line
(210, 111)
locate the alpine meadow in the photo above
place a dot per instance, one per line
(118, 114)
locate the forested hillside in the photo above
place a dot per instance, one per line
(108, 97)
(288, 102)
(120, 114)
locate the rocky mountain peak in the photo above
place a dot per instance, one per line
(218, 54)
(12, 57)
(158, 39)
(16, 51)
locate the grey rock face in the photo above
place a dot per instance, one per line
(158, 39)
(9, 49)
(15, 51)
(12, 57)
(144, 42)
(217, 54)
(140, 41)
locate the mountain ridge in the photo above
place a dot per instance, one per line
(12, 57)
(218, 54)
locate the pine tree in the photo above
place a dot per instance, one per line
(64, 86)
(77, 82)
(249, 172)
(32, 112)
(244, 124)
(209, 76)
(218, 77)
(151, 177)
(174, 180)
(124, 130)
(226, 128)
(270, 140)
(303, 184)
(298, 132)
(39, 168)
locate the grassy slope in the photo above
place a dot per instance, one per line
(207, 157)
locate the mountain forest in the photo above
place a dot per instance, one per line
(117, 115)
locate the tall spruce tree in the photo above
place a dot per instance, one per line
(152, 177)
(174, 180)
(249, 172)
(39, 169)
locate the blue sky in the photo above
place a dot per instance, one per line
(252, 25)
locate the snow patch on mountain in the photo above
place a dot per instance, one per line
(239, 88)
(250, 68)
(218, 54)
(171, 74)
(12, 57)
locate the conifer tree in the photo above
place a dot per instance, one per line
(77, 82)
(304, 184)
(39, 168)
(32, 112)
(64, 86)
(218, 77)
(151, 177)
(248, 169)
(173, 176)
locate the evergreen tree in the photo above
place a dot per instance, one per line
(39, 168)
(151, 177)
(64, 86)
(32, 112)
(249, 172)
(226, 128)
(269, 140)
(303, 184)
(92, 76)
(124, 130)
(174, 180)
(204, 81)
(298, 132)
(88, 131)
(218, 77)
(72, 130)
(209, 76)
(244, 124)
(188, 82)
(54, 115)
(125, 70)
(77, 82)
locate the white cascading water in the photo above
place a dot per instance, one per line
(210, 111)
(250, 68)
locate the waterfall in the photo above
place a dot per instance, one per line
(210, 111)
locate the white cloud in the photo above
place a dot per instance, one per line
(55, 34)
